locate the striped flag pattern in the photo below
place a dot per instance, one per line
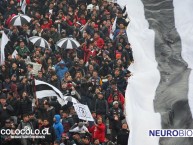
(44, 89)
(159, 95)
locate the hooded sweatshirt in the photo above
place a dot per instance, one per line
(58, 127)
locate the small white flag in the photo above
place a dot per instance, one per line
(23, 6)
(83, 112)
(113, 28)
(14, 54)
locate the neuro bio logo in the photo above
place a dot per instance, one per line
(171, 133)
(25, 133)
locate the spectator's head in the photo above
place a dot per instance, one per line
(45, 21)
(99, 120)
(95, 74)
(29, 67)
(46, 105)
(64, 114)
(100, 95)
(14, 77)
(14, 66)
(25, 27)
(58, 57)
(56, 142)
(38, 28)
(120, 46)
(24, 94)
(80, 124)
(3, 99)
(62, 65)
(78, 75)
(96, 35)
(10, 95)
(121, 26)
(57, 118)
(31, 115)
(46, 122)
(93, 114)
(76, 65)
(86, 140)
(124, 126)
(21, 43)
(7, 123)
(119, 14)
(25, 117)
(117, 72)
(3, 68)
(128, 46)
(69, 78)
(115, 104)
(96, 142)
(76, 136)
(53, 29)
(7, 79)
(109, 77)
(40, 74)
(98, 90)
(115, 97)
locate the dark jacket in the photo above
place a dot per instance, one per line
(25, 106)
(101, 106)
(122, 137)
(5, 113)
(48, 138)
(49, 114)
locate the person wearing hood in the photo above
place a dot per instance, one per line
(61, 69)
(58, 127)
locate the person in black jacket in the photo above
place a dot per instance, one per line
(5, 110)
(123, 135)
(11, 100)
(50, 138)
(101, 106)
(49, 111)
(115, 117)
(25, 104)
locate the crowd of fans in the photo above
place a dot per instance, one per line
(95, 73)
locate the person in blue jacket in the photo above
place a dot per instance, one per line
(61, 69)
(58, 127)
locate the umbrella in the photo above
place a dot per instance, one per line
(39, 41)
(70, 99)
(68, 43)
(20, 19)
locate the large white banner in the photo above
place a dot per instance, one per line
(4, 41)
(83, 112)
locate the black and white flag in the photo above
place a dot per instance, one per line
(44, 89)
(159, 95)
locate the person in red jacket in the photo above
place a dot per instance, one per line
(89, 52)
(98, 130)
(98, 41)
(46, 24)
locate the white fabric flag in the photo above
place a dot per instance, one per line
(20, 3)
(113, 28)
(14, 54)
(23, 6)
(4, 41)
(83, 112)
